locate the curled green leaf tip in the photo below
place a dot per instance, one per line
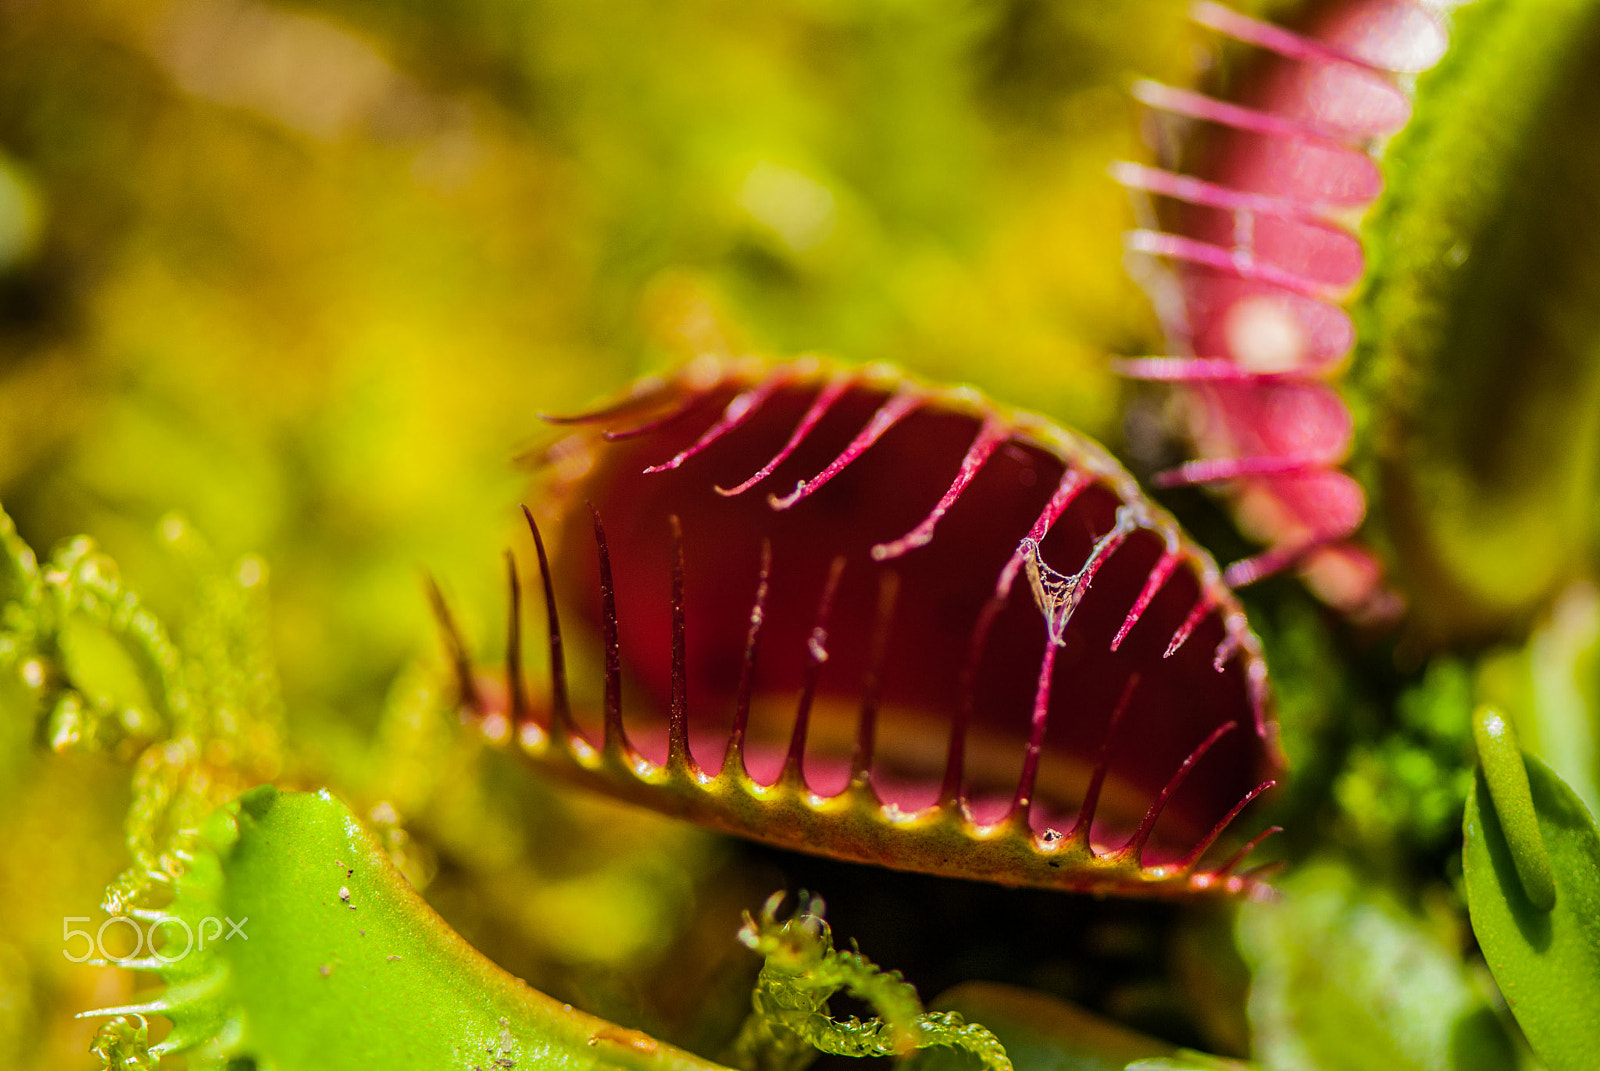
(789, 1021)
(123, 1044)
(1507, 778)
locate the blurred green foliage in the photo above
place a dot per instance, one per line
(1347, 977)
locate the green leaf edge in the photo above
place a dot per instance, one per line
(1547, 963)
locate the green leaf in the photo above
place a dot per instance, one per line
(337, 963)
(1546, 962)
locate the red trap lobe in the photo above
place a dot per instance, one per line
(843, 612)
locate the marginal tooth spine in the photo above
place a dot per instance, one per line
(816, 655)
(832, 390)
(1221, 469)
(744, 404)
(1192, 105)
(645, 393)
(1022, 803)
(561, 728)
(466, 686)
(951, 794)
(872, 685)
(1135, 846)
(1243, 853)
(993, 432)
(514, 682)
(1236, 261)
(1189, 861)
(1197, 191)
(1153, 583)
(1234, 633)
(674, 413)
(1290, 45)
(615, 745)
(1200, 370)
(897, 407)
(1247, 571)
(1091, 796)
(678, 757)
(1202, 607)
(733, 763)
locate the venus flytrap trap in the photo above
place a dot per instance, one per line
(891, 622)
(1379, 249)
(1252, 224)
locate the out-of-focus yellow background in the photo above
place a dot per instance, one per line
(306, 273)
